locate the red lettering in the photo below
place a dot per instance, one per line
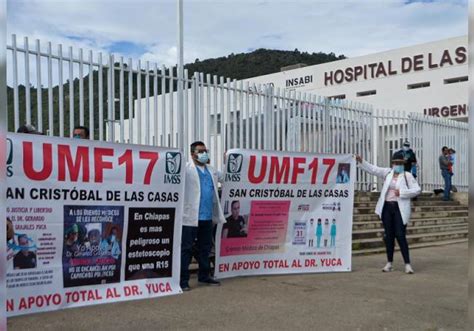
(65, 161)
(100, 164)
(330, 163)
(314, 167)
(153, 157)
(276, 173)
(31, 173)
(10, 305)
(127, 158)
(297, 161)
(263, 170)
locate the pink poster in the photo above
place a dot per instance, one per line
(267, 227)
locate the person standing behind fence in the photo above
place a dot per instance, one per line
(452, 159)
(394, 205)
(444, 165)
(81, 132)
(410, 158)
(201, 209)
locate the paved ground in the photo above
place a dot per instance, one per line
(434, 298)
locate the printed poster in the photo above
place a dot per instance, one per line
(285, 213)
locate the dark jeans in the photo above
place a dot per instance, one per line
(203, 233)
(447, 183)
(394, 228)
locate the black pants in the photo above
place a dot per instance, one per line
(203, 234)
(394, 228)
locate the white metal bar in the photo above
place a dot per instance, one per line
(27, 82)
(71, 93)
(186, 135)
(164, 139)
(110, 100)
(139, 102)
(122, 101)
(214, 115)
(91, 96)
(61, 91)
(39, 90)
(155, 106)
(221, 112)
(241, 115)
(234, 113)
(278, 119)
(247, 114)
(207, 118)
(101, 99)
(50, 92)
(227, 115)
(16, 103)
(147, 103)
(81, 88)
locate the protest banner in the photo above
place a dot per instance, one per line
(90, 222)
(286, 213)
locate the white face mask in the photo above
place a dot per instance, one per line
(406, 148)
(203, 157)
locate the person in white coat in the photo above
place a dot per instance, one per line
(201, 210)
(394, 205)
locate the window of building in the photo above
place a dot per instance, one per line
(418, 85)
(366, 93)
(456, 80)
(340, 96)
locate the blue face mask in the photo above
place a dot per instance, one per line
(77, 136)
(203, 158)
(398, 169)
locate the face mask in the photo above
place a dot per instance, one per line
(406, 148)
(203, 158)
(398, 169)
(77, 136)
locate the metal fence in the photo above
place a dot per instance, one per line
(128, 101)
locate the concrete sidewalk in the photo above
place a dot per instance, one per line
(434, 298)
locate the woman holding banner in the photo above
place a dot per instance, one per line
(394, 205)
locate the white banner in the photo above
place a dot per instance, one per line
(286, 213)
(90, 222)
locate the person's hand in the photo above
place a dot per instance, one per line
(358, 158)
(397, 193)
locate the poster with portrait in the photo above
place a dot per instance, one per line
(285, 213)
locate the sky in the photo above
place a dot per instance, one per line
(147, 29)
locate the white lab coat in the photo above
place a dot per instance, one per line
(192, 195)
(406, 192)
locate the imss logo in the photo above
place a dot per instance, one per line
(234, 166)
(173, 168)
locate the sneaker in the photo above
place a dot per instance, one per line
(409, 269)
(388, 267)
(185, 288)
(210, 281)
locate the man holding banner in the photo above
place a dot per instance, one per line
(201, 209)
